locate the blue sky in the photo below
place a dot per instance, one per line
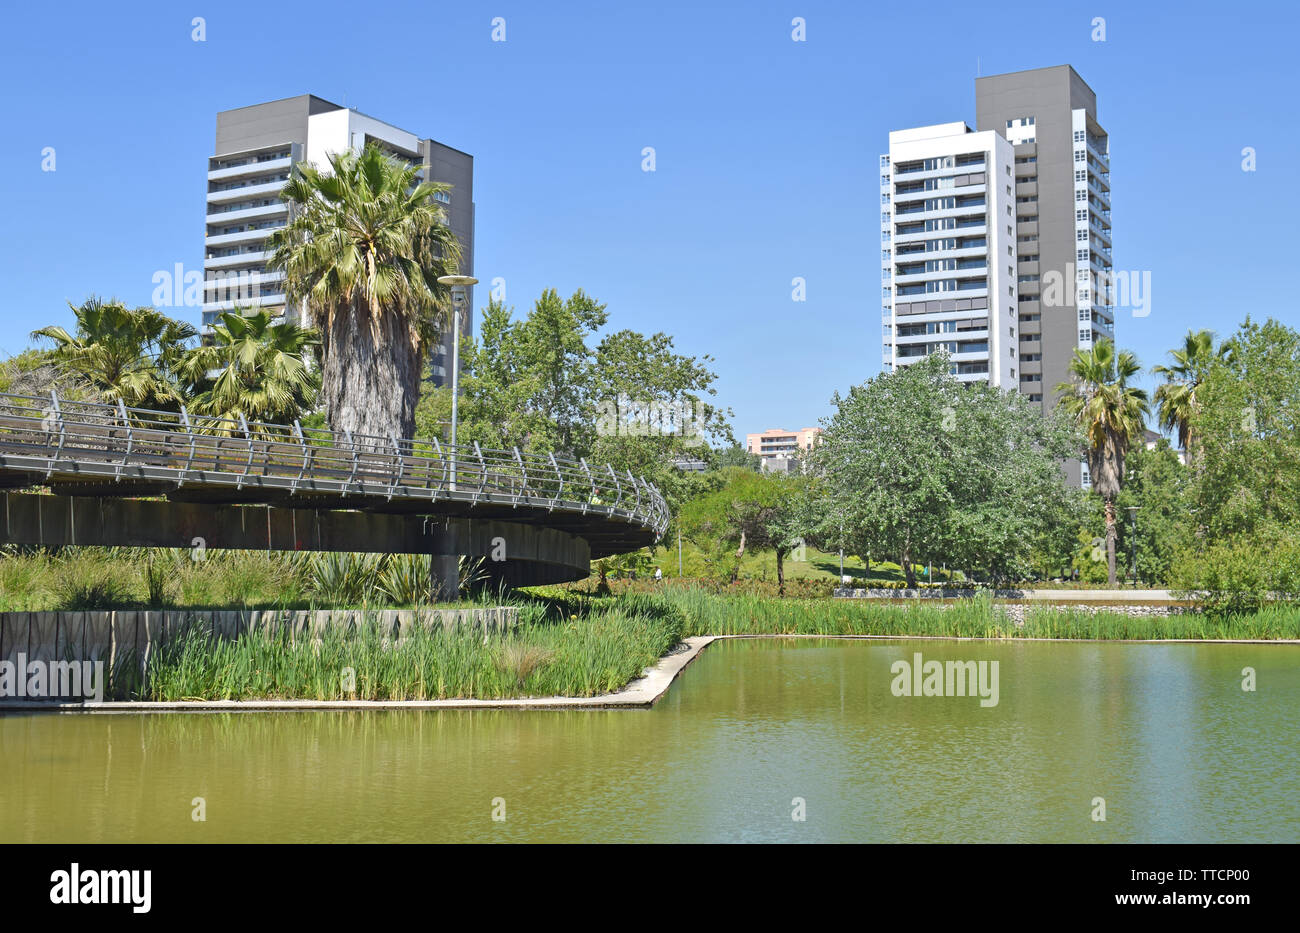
(766, 153)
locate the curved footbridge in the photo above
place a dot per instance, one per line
(134, 477)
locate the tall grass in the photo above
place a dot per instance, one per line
(75, 578)
(709, 614)
(573, 657)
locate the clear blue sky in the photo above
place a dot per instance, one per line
(766, 152)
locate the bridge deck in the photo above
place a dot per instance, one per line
(98, 450)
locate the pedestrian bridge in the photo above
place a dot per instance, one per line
(136, 477)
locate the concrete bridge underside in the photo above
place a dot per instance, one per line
(532, 554)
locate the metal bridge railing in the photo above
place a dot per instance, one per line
(54, 435)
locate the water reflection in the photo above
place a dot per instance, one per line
(1163, 732)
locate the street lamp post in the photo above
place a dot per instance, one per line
(458, 284)
(1132, 543)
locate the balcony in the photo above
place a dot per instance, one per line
(237, 259)
(274, 209)
(253, 167)
(270, 189)
(273, 300)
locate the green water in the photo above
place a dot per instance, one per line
(1163, 732)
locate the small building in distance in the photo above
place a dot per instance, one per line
(779, 450)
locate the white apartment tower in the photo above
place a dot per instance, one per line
(948, 251)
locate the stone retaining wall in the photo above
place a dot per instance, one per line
(1054, 597)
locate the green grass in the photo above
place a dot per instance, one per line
(761, 565)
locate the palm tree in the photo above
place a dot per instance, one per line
(124, 354)
(254, 368)
(1176, 398)
(1112, 414)
(362, 251)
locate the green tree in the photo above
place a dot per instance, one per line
(122, 353)
(363, 250)
(752, 511)
(1175, 398)
(917, 465)
(1112, 415)
(542, 383)
(1248, 425)
(253, 367)
(1158, 487)
(736, 455)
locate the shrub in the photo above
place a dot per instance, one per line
(1242, 573)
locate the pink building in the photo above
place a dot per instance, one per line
(779, 448)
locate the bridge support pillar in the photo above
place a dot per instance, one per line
(444, 570)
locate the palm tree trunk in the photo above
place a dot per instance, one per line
(1110, 539)
(371, 375)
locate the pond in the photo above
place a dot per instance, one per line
(762, 740)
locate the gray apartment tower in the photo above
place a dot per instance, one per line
(256, 147)
(947, 236)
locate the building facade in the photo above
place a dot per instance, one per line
(1054, 242)
(1064, 242)
(947, 211)
(779, 449)
(256, 147)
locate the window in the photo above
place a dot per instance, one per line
(1081, 214)
(1080, 135)
(1081, 236)
(1082, 255)
(1085, 336)
(1081, 195)
(1081, 174)
(1080, 155)
(1008, 169)
(884, 198)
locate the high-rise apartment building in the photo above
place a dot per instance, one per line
(256, 147)
(1038, 211)
(947, 211)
